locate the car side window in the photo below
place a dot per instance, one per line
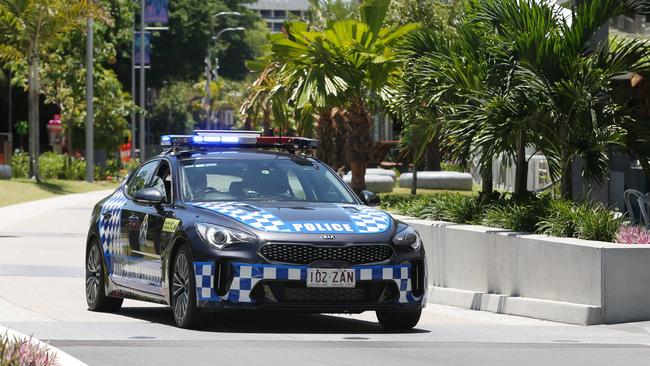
(141, 178)
(163, 180)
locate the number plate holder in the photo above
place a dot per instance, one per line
(331, 277)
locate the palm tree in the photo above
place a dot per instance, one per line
(566, 62)
(342, 66)
(519, 75)
(27, 29)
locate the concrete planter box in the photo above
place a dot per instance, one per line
(375, 183)
(439, 180)
(560, 279)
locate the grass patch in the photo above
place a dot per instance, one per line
(23, 190)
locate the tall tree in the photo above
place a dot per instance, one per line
(27, 29)
(343, 66)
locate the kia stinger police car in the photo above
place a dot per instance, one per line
(231, 220)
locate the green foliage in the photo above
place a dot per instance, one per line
(193, 23)
(174, 109)
(454, 207)
(516, 74)
(517, 216)
(20, 164)
(75, 169)
(541, 215)
(452, 167)
(584, 221)
(51, 165)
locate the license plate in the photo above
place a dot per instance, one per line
(330, 277)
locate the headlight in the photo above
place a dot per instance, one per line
(408, 236)
(221, 237)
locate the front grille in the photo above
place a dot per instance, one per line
(295, 292)
(307, 254)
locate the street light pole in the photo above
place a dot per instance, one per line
(208, 66)
(90, 143)
(142, 88)
(133, 143)
(208, 62)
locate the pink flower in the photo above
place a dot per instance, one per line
(633, 235)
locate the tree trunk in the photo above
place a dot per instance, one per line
(248, 125)
(266, 121)
(325, 132)
(432, 156)
(33, 117)
(521, 167)
(486, 180)
(359, 142)
(567, 176)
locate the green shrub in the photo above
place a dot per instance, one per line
(453, 207)
(522, 217)
(51, 165)
(20, 165)
(517, 215)
(542, 215)
(587, 221)
(561, 220)
(75, 169)
(596, 222)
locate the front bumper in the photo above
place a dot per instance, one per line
(276, 286)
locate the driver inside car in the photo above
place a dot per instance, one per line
(199, 183)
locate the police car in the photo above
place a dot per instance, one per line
(232, 220)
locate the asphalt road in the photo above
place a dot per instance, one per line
(42, 293)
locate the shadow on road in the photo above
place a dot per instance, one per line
(234, 321)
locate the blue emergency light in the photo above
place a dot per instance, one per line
(217, 138)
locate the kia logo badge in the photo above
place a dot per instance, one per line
(328, 237)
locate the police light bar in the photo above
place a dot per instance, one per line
(236, 139)
(211, 138)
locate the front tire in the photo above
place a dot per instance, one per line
(96, 297)
(186, 313)
(399, 320)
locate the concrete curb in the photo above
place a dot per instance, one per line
(564, 312)
(61, 358)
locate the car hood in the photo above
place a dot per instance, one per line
(305, 218)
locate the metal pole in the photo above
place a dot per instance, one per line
(90, 148)
(216, 80)
(208, 90)
(142, 84)
(11, 112)
(133, 97)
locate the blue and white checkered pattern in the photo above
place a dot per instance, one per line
(109, 228)
(362, 219)
(248, 215)
(204, 278)
(246, 276)
(369, 220)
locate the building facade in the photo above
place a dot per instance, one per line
(276, 12)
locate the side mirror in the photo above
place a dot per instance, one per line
(370, 198)
(148, 196)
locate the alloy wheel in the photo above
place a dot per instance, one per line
(181, 286)
(93, 273)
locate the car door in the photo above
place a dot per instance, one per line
(135, 228)
(145, 259)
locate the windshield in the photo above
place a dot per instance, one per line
(279, 179)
